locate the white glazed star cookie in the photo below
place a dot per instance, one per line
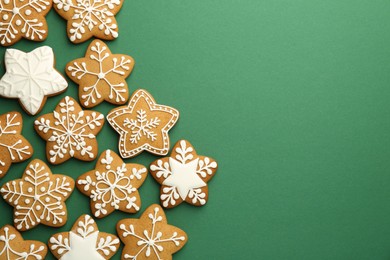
(31, 78)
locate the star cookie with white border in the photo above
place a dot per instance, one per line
(113, 185)
(143, 125)
(84, 241)
(150, 237)
(31, 78)
(101, 75)
(38, 197)
(70, 132)
(183, 176)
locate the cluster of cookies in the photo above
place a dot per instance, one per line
(70, 132)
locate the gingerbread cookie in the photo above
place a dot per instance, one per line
(101, 75)
(38, 197)
(70, 132)
(13, 146)
(87, 18)
(84, 241)
(113, 185)
(143, 125)
(13, 246)
(19, 18)
(31, 78)
(150, 237)
(183, 176)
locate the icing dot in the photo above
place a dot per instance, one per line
(30, 190)
(47, 199)
(38, 207)
(18, 22)
(28, 12)
(43, 189)
(5, 17)
(27, 201)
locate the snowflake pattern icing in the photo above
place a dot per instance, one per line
(150, 237)
(21, 18)
(101, 75)
(87, 18)
(39, 197)
(70, 131)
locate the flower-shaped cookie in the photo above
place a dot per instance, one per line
(31, 77)
(20, 18)
(84, 241)
(113, 185)
(13, 146)
(183, 176)
(87, 18)
(150, 237)
(70, 132)
(101, 75)
(39, 197)
(143, 125)
(13, 246)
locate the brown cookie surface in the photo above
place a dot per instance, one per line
(84, 241)
(183, 176)
(150, 236)
(38, 197)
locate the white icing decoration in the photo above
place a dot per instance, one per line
(102, 74)
(90, 14)
(30, 77)
(19, 12)
(9, 253)
(68, 130)
(84, 243)
(151, 244)
(141, 127)
(35, 198)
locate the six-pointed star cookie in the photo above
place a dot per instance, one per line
(13, 146)
(70, 132)
(87, 18)
(31, 78)
(20, 18)
(84, 241)
(183, 176)
(150, 237)
(39, 197)
(101, 75)
(13, 246)
(143, 125)
(113, 185)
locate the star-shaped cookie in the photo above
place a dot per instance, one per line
(31, 78)
(183, 176)
(38, 197)
(84, 241)
(13, 246)
(143, 125)
(113, 185)
(101, 75)
(87, 18)
(20, 18)
(70, 132)
(13, 146)
(150, 237)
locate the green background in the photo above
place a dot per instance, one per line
(291, 97)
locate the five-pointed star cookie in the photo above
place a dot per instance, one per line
(31, 78)
(84, 241)
(13, 246)
(113, 185)
(20, 18)
(39, 197)
(70, 132)
(13, 146)
(87, 18)
(183, 176)
(143, 125)
(101, 75)
(150, 237)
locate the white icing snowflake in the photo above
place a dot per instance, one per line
(141, 126)
(31, 77)
(70, 131)
(87, 18)
(20, 18)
